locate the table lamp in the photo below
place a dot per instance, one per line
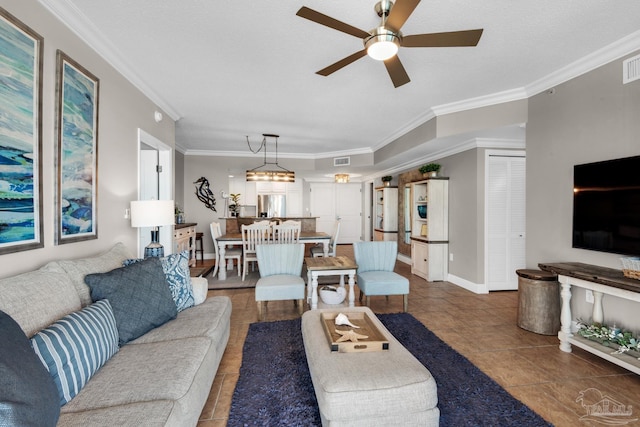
(152, 213)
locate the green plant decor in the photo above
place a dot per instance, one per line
(429, 167)
(610, 336)
(387, 178)
(234, 206)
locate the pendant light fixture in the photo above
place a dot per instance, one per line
(279, 174)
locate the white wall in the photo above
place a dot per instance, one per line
(122, 110)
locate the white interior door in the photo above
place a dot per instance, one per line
(322, 202)
(505, 221)
(330, 201)
(349, 211)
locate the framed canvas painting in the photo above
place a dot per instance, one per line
(77, 151)
(21, 52)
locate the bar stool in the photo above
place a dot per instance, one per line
(199, 247)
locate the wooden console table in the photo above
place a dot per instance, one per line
(184, 239)
(601, 281)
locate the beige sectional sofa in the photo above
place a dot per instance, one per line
(162, 378)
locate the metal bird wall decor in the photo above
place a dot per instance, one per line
(205, 195)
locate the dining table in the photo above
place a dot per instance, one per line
(233, 239)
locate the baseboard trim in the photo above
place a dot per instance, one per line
(404, 258)
(476, 288)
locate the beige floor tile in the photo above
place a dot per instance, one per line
(481, 327)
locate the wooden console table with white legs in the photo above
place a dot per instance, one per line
(601, 281)
(329, 266)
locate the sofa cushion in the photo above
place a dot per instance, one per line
(76, 346)
(179, 371)
(38, 298)
(176, 269)
(209, 319)
(139, 295)
(77, 269)
(28, 396)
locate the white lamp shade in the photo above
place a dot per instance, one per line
(152, 213)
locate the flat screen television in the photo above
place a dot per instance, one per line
(606, 206)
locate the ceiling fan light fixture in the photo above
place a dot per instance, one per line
(382, 45)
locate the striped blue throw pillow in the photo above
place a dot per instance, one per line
(76, 346)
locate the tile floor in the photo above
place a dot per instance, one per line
(481, 327)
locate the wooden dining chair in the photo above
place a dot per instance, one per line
(253, 235)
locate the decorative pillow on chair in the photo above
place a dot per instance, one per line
(76, 346)
(139, 295)
(176, 269)
(28, 396)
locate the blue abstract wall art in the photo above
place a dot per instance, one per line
(20, 136)
(77, 130)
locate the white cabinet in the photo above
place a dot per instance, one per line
(246, 189)
(386, 214)
(429, 260)
(430, 228)
(272, 187)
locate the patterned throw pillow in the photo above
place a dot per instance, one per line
(76, 346)
(176, 268)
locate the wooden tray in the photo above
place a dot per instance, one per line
(376, 340)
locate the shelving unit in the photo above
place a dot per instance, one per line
(430, 234)
(386, 214)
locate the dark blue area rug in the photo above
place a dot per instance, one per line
(275, 389)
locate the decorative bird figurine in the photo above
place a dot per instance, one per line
(204, 194)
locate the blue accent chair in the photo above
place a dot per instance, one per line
(280, 267)
(375, 275)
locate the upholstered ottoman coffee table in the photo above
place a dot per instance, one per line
(386, 387)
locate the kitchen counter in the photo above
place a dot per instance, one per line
(233, 224)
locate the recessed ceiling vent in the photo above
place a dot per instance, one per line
(341, 161)
(631, 69)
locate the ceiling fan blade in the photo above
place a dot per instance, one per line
(450, 39)
(399, 14)
(342, 63)
(396, 71)
(330, 22)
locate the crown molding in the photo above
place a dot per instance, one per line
(481, 101)
(601, 57)
(80, 25)
(421, 119)
(281, 155)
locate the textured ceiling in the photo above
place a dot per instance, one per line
(227, 69)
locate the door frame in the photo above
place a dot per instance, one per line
(165, 184)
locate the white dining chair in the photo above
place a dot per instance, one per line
(230, 253)
(253, 235)
(318, 250)
(286, 232)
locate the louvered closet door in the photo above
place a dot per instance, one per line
(506, 221)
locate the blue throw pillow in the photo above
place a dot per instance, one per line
(176, 269)
(76, 346)
(28, 396)
(139, 295)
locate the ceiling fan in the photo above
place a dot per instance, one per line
(382, 42)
